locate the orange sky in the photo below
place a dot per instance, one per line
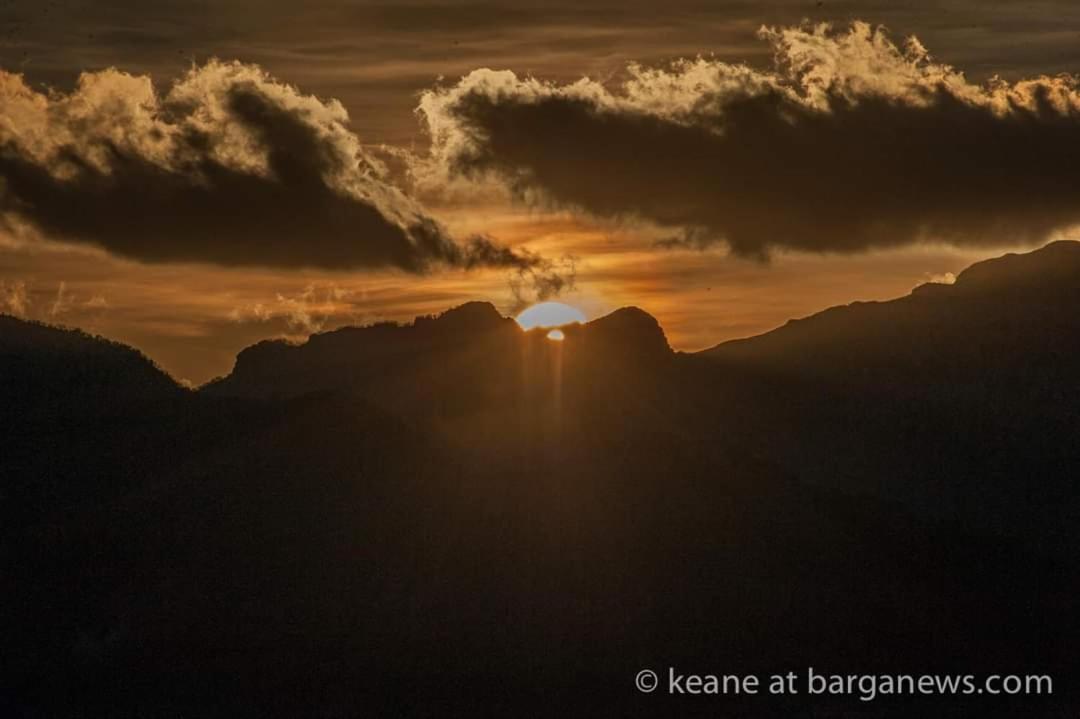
(376, 58)
(193, 319)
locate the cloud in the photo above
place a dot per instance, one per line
(228, 166)
(62, 304)
(542, 282)
(14, 299)
(851, 142)
(304, 312)
(940, 278)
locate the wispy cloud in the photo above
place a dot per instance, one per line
(14, 299)
(302, 312)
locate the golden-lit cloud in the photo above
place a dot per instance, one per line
(228, 166)
(851, 142)
(13, 298)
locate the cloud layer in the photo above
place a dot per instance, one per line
(852, 142)
(228, 166)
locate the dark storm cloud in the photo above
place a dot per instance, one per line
(853, 142)
(229, 167)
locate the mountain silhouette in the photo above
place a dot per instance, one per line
(46, 366)
(470, 344)
(960, 400)
(459, 517)
(74, 409)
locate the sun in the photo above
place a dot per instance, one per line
(550, 314)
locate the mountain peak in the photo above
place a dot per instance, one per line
(632, 328)
(474, 315)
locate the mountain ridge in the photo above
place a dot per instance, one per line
(461, 503)
(1059, 258)
(1056, 260)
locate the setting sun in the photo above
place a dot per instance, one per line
(550, 314)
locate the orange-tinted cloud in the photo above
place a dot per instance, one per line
(852, 142)
(228, 167)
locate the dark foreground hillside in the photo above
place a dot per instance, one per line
(457, 518)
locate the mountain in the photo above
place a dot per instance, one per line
(74, 409)
(458, 517)
(986, 327)
(961, 400)
(470, 344)
(46, 366)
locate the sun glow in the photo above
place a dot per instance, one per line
(556, 335)
(550, 314)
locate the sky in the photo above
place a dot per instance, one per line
(193, 177)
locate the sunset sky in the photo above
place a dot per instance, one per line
(192, 177)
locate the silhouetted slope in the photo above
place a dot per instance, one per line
(960, 400)
(402, 363)
(78, 412)
(46, 366)
(630, 332)
(1002, 311)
